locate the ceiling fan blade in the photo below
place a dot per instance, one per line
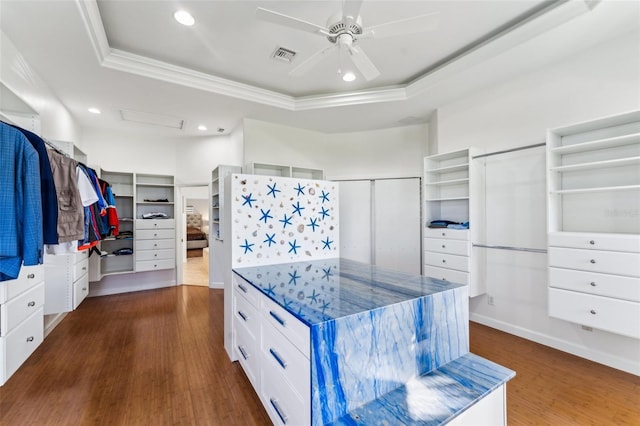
(416, 24)
(291, 22)
(363, 63)
(312, 61)
(351, 8)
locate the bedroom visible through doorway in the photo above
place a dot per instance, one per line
(195, 251)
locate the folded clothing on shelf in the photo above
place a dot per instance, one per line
(442, 223)
(123, 251)
(155, 215)
(464, 225)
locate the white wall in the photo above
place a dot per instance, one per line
(15, 73)
(196, 158)
(602, 81)
(394, 152)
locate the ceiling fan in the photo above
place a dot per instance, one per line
(344, 29)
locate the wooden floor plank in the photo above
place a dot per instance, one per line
(157, 358)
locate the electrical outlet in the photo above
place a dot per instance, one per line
(490, 300)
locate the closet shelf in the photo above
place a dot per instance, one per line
(155, 185)
(163, 203)
(449, 169)
(448, 182)
(598, 165)
(448, 199)
(611, 142)
(123, 195)
(599, 189)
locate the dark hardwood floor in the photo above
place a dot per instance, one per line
(156, 358)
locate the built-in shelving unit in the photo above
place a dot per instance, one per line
(593, 184)
(216, 215)
(449, 193)
(123, 191)
(284, 171)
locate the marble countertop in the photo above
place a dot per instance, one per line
(316, 291)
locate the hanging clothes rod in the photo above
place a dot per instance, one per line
(506, 151)
(531, 250)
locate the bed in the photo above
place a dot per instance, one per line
(196, 238)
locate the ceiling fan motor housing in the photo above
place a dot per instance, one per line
(348, 26)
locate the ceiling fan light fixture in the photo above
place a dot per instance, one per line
(184, 17)
(348, 76)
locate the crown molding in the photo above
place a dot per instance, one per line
(511, 35)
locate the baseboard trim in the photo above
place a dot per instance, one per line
(216, 284)
(107, 290)
(553, 342)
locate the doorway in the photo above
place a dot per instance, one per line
(194, 250)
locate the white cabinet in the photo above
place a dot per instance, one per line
(451, 193)
(21, 318)
(594, 232)
(67, 282)
(155, 244)
(273, 348)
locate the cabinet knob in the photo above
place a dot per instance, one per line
(592, 261)
(30, 339)
(155, 245)
(155, 235)
(444, 260)
(593, 312)
(84, 289)
(155, 255)
(84, 268)
(443, 234)
(31, 276)
(592, 242)
(31, 304)
(443, 246)
(593, 284)
(155, 266)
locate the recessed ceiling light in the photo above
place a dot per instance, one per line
(94, 110)
(348, 76)
(184, 18)
(202, 127)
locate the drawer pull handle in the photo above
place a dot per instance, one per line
(276, 407)
(84, 268)
(30, 339)
(242, 315)
(592, 242)
(277, 318)
(444, 279)
(243, 288)
(593, 312)
(592, 261)
(277, 357)
(31, 304)
(593, 284)
(242, 352)
(84, 289)
(31, 276)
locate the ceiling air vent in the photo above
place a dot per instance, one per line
(284, 55)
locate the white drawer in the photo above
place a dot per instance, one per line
(450, 234)
(247, 290)
(21, 342)
(80, 290)
(154, 234)
(81, 255)
(595, 241)
(604, 313)
(19, 308)
(608, 285)
(291, 327)
(246, 314)
(29, 276)
(458, 247)
(280, 354)
(608, 262)
(153, 265)
(155, 223)
(155, 244)
(283, 404)
(155, 254)
(449, 261)
(248, 353)
(80, 269)
(449, 275)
